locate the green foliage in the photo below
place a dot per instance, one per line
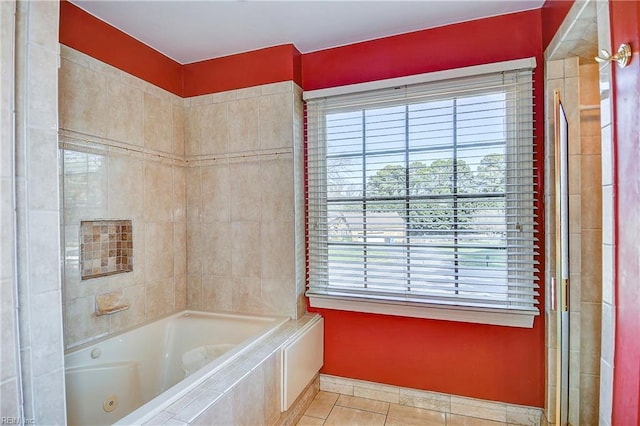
(439, 181)
(491, 176)
(390, 181)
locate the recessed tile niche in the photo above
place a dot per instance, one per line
(106, 247)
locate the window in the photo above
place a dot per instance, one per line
(421, 199)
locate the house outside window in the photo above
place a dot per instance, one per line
(421, 197)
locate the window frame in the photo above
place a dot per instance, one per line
(439, 309)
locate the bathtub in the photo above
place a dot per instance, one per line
(135, 373)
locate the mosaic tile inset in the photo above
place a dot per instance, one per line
(106, 248)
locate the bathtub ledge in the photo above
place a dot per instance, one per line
(200, 403)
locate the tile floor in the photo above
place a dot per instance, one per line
(330, 408)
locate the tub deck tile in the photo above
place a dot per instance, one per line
(159, 419)
(174, 422)
(184, 401)
(213, 400)
(198, 406)
(220, 414)
(224, 380)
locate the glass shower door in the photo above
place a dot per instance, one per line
(561, 279)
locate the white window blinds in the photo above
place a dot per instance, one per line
(425, 194)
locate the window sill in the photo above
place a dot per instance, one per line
(502, 317)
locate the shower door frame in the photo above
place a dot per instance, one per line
(560, 289)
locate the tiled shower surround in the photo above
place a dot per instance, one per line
(588, 210)
(121, 158)
(209, 179)
(240, 148)
(31, 350)
(9, 364)
(579, 92)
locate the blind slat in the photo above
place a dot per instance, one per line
(420, 191)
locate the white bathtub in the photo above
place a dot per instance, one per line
(138, 372)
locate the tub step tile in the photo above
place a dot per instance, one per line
(174, 422)
(198, 406)
(177, 406)
(219, 414)
(159, 419)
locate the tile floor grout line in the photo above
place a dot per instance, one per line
(330, 411)
(313, 417)
(363, 409)
(447, 416)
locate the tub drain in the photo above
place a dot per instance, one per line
(110, 404)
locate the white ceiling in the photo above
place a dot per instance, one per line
(190, 31)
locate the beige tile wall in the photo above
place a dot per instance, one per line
(9, 349)
(208, 183)
(578, 86)
(607, 342)
(561, 75)
(243, 153)
(595, 295)
(591, 241)
(32, 350)
(122, 158)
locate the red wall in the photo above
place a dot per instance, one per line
(451, 46)
(625, 28)
(481, 361)
(553, 13)
(88, 34)
(96, 38)
(270, 65)
(489, 362)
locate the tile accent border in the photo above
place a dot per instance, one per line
(82, 142)
(445, 403)
(237, 157)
